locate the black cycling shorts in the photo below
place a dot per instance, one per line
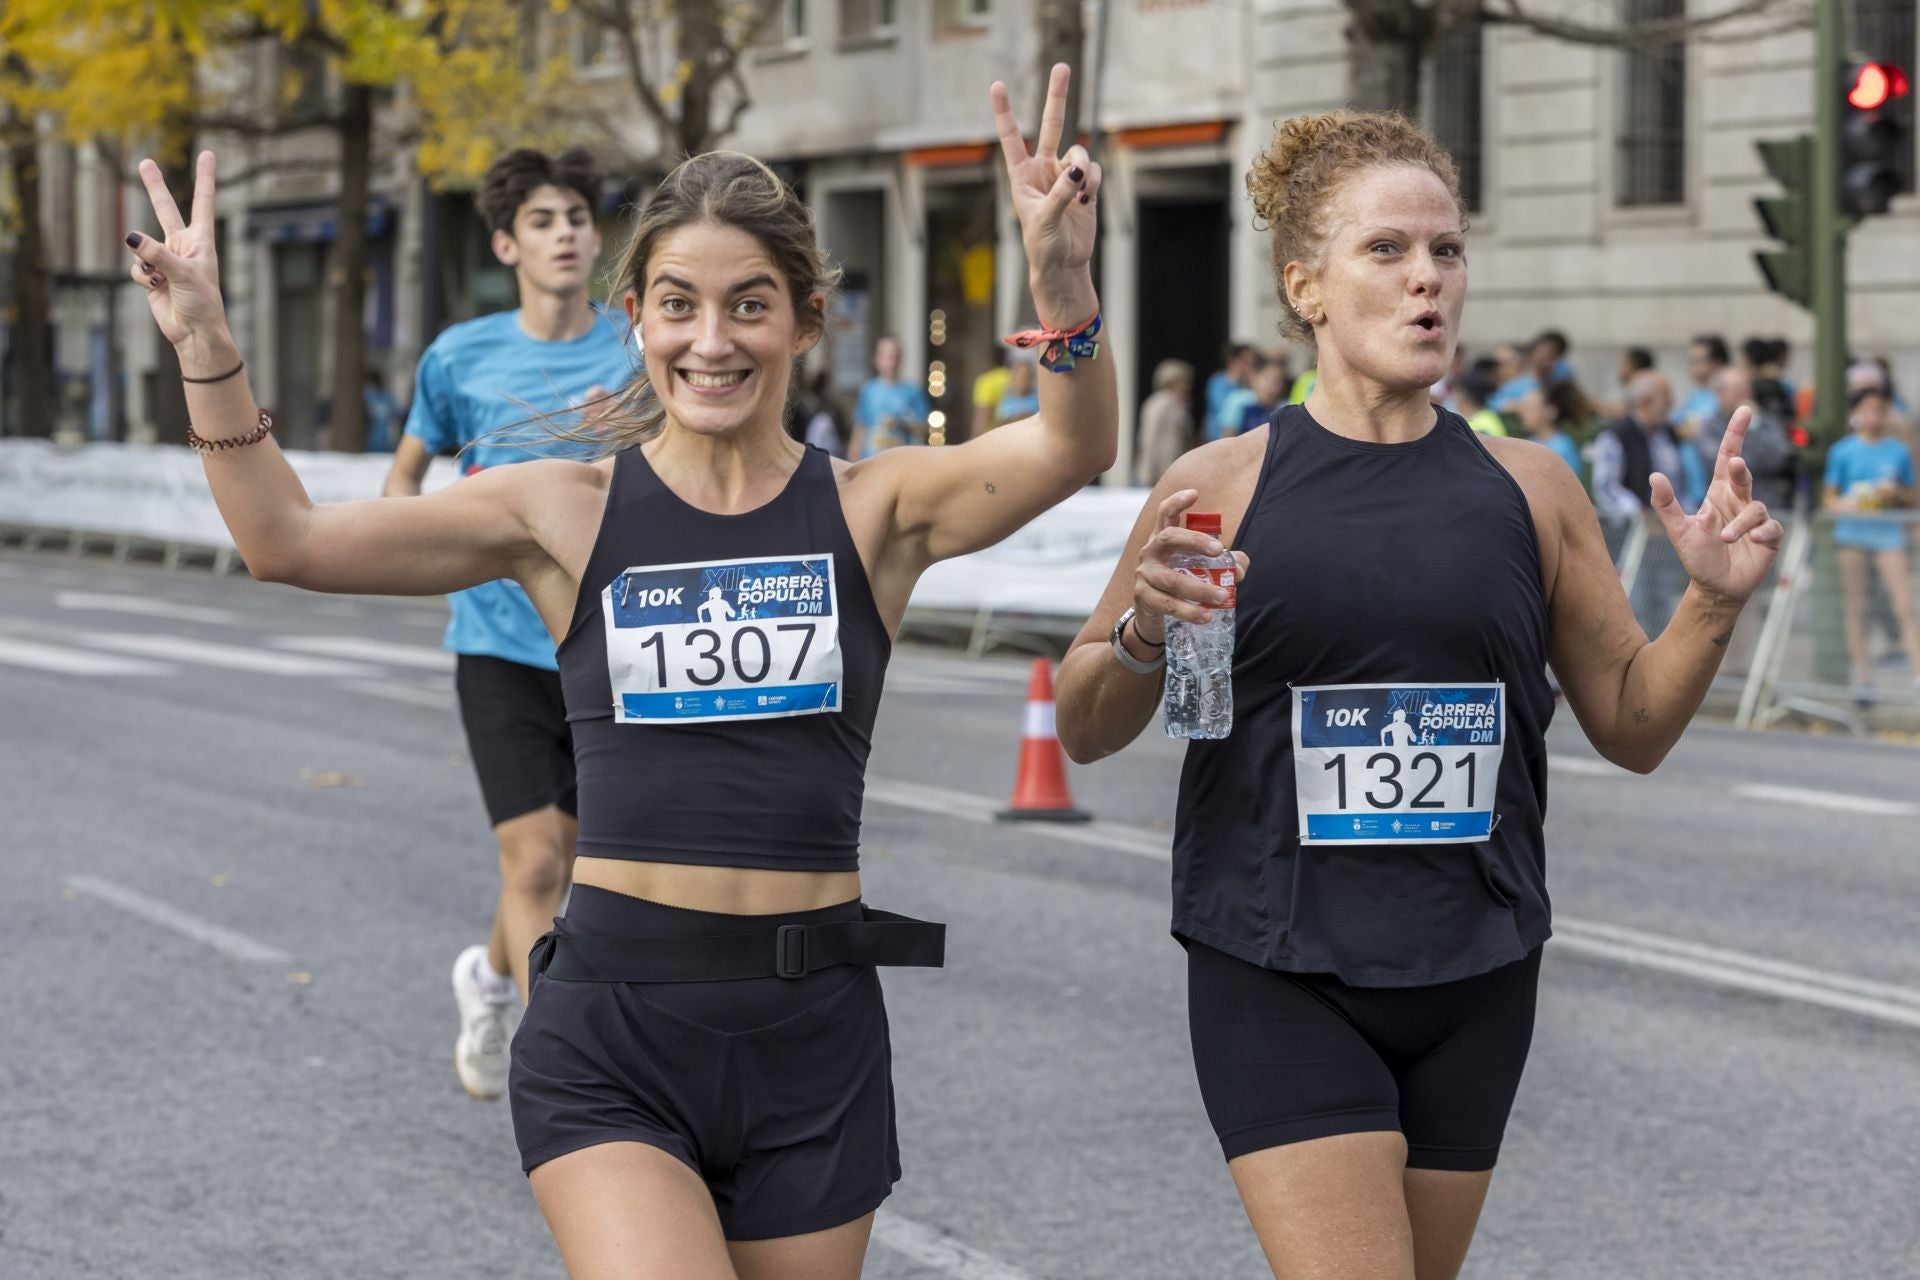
(778, 1092)
(517, 734)
(1288, 1057)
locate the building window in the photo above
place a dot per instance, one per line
(949, 14)
(592, 41)
(788, 25)
(866, 19)
(1454, 100)
(1883, 31)
(1650, 139)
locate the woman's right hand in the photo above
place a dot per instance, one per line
(1159, 589)
(180, 274)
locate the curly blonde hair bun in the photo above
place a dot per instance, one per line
(1295, 179)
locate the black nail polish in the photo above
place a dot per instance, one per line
(133, 239)
(1077, 173)
(1084, 197)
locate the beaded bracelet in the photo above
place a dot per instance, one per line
(200, 444)
(1063, 346)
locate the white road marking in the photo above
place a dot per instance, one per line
(74, 662)
(1714, 966)
(1586, 768)
(972, 808)
(232, 657)
(939, 1251)
(402, 693)
(146, 606)
(1840, 800)
(225, 941)
(359, 647)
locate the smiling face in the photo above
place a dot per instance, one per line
(1392, 278)
(722, 330)
(553, 243)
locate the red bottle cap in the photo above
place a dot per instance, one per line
(1204, 522)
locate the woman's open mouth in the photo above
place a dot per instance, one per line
(713, 384)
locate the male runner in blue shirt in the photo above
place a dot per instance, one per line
(554, 353)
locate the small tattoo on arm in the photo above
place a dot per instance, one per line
(1640, 715)
(992, 487)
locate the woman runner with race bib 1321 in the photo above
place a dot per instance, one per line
(701, 1084)
(1359, 869)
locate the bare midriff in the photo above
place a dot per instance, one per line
(734, 891)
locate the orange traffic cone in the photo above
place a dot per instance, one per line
(1040, 787)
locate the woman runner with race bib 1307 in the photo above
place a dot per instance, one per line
(701, 1085)
(1359, 868)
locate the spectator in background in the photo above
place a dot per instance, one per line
(382, 412)
(1514, 379)
(1471, 391)
(1865, 375)
(1633, 362)
(1707, 356)
(889, 412)
(1240, 358)
(1869, 472)
(1768, 451)
(988, 388)
(1547, 358)
(1895, 404)
(1623, 452)
(1166, 422)
(1265, 396)
(1550, 415)
(1766, 360)
(823, 421)
(1442, 391)
(1021, 399)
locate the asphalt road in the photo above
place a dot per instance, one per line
(243, 844)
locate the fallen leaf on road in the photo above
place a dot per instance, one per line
(332, 778)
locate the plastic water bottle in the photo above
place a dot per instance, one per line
(1198, 697)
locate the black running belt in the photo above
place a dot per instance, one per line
(789, 951)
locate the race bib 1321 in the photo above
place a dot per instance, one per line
(723, 640)
(1397, 764)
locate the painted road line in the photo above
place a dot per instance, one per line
(74, 662)
(410, 694)
(1715, 966)
(1586, 767)
(1838, 800)
(225, 941)
(939, 1251)
(972, 808)
(230, 657)
(145, 606)
(426, 657)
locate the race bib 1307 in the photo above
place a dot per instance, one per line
(723, 640)
(1397, 764)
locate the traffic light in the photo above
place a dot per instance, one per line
(1871, 140)
(1788, 218)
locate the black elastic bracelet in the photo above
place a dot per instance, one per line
(222, 378)
(1142, 639)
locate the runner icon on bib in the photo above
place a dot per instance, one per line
(1397, 764)
(723, 640)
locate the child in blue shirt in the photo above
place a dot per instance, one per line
(1867, 472)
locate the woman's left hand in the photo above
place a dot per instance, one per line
(1728, 545)
(1053, 196)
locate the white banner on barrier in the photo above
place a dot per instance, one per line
(1055, 567)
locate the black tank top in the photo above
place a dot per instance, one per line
(722, 673)
(1410, 575)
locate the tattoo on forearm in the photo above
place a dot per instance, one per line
(1721, 640)
(1640, 715)
(992, 487)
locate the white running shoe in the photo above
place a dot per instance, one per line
(487, 1024)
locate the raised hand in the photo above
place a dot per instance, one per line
(180, 274)
(1728, 545)
(1054, 196)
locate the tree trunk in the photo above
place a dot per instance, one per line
(32, 328)
(700, 37)
(347, 419)
(1385, 73)
(1062, 28)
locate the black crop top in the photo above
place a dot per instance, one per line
(721, 675)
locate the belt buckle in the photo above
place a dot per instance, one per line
(790, 951)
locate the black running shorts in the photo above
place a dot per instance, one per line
(517, 734)
(777, 1092)
(1287, 1057)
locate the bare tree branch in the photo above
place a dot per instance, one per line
(1645, 34)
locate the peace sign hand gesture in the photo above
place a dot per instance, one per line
(1053, 196)
(1728, 545)
(180, 274)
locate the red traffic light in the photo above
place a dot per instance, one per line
(1874, 84)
